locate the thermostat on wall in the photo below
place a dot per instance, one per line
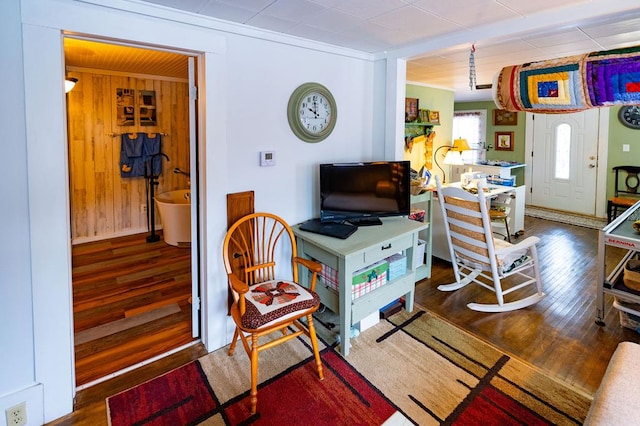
(267, 158)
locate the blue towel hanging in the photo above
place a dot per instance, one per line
(153, 145)
(131, 155)
(136, 150)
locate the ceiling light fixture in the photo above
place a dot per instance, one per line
(69, 83)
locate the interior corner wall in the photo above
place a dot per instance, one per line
(379, 109)
(433, 99)
(620, 135)
(16, 316)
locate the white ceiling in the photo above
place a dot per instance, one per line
(436, 36)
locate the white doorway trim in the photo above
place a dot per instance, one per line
(601, 174)
(46, 141)
(190, 58)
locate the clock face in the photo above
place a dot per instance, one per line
(630, 116)
(312, 112)
(315, 113)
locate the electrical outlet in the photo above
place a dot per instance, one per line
(143, 208)
(17, 415)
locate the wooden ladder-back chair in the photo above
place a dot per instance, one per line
(478, 257)
(626, 190)
(264, 303)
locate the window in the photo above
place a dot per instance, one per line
(562, 161)
(471, 125)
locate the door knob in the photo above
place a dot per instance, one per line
(591, 166)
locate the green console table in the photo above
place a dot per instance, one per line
(366, 246)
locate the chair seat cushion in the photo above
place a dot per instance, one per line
(276, 300)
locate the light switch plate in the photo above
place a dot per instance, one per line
(626, 147)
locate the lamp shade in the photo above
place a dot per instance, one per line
(69, 83)
(460, 145)
(453, 158)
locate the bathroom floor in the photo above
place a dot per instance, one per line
(131, 302)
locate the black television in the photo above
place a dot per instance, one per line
(362, 193)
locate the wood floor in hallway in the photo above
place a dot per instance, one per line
(131, 302)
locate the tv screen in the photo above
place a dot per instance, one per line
(361, 193)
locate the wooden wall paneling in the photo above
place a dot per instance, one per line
(76, 154)
(102, 203)
(122, 186)
(102, 131)
(182, 131)
(91, 110)
(103, 148)
(139, 186)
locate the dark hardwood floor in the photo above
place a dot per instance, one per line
(131, 302)
(558, 335)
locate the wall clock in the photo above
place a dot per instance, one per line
(312, 112)
(630, 116)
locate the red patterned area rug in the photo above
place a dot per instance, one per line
(413, 368)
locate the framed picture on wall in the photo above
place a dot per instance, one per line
(434, 117)
(503, 117)
(424, 115)
(125, 104)
(504, 141)
(148, 108)
(411, 109)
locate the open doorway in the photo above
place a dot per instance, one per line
(131, 135)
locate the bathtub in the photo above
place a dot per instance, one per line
(174, 209)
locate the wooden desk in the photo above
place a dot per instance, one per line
(366, 246)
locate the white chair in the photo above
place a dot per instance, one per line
(478, 257)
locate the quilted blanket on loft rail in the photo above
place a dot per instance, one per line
(572, 83)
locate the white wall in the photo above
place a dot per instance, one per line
(249, 77)
(16, 316)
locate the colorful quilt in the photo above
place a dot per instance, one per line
(570, 84)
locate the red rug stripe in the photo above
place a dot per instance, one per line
(180, 397)
(492, 407)
(298, 397)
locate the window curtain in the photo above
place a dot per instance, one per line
(470, 125)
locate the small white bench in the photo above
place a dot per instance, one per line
(617, 400)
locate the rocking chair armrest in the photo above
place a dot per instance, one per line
(522, 245)
(237, 284)
(311, 265)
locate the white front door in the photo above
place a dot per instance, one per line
(564, 161)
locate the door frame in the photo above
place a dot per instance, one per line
(195, 60)
(602, 161)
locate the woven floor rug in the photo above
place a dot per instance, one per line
(565, 217)
(413, 368)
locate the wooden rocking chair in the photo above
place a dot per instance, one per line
(478, 257)
(264, 304)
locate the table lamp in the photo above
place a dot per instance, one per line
(453, 155)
